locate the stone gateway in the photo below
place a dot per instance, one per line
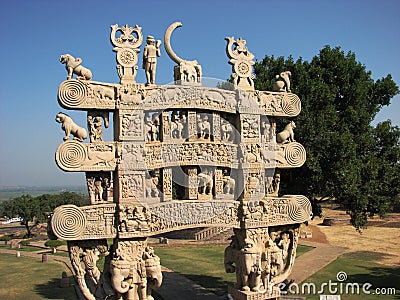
(183, 156)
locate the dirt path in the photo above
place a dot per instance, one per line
(380, 236)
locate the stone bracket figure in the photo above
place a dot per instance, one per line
(287, 135)
(73, 66)
(187, 72)
(242, 63)
(95, 125)
(150, 54)
(127, 47)
(282, 83)
(69, 127)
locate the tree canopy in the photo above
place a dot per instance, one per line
(34, 210)
(348, 159)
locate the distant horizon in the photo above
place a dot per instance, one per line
(32, 72)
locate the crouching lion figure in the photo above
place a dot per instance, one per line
(287, 135)
(69, 126)
(73, 66)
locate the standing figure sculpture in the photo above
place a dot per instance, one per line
(151, 51)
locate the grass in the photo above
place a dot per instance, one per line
(27, 278)
(361, 268)
(202, 264)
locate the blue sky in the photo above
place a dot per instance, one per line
(35, 33)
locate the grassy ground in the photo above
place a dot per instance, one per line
(361, 268)
(27, 278)
(202, 264)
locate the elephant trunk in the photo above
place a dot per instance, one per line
(153, 271)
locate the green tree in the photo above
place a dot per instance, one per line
(35, 210)
(347, 159)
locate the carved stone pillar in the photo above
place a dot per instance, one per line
(192, 125)
(166, 127)
(219, 184)
(167, 184)
(192, 184)
(216, 133)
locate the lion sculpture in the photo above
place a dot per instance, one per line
(69, 126)
(287, 135)
(73, 66)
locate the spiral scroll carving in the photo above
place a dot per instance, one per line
(72, 93)
(291, 104)
(71, 155)
(305, 204)
(68, 222)
(295, 154)
(297, 213)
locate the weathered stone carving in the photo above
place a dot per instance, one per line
(69, 127)
(78, 157)
(218, 150)
(127, 48)
(99, 186)
(150, 53)
(151, 127)
(186, 72)
(73, 66)
(282, 83)
(287, 135)
(203, 126)
(95, 125)
(242, 63)
(86, 95)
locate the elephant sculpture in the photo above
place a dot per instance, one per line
(135, 279)
(154, 275)
(247, 266)
(129, 279)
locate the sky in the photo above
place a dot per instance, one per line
(35, 33)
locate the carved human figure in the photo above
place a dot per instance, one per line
(95, 126)
(151, 187)
(227, 131)
(150, 53)
(178, 123)
(273, 188)
(203, 127)
(284, 244)
(122, 219)
(286, 135)
(151, 127)
(275, 254)
(265, 131)
(98, 191)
